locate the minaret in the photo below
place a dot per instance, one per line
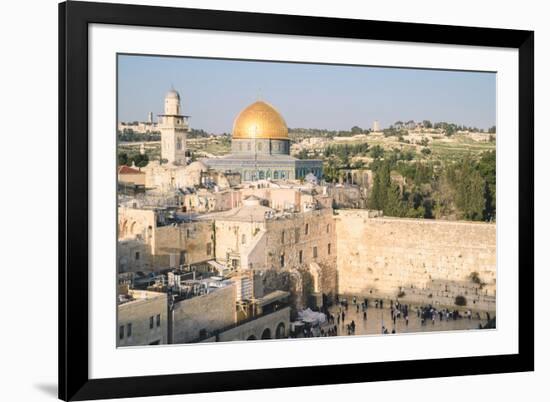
(173, 128)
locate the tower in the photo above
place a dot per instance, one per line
(173, 128)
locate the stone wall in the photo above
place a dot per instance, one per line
(272, 326)
(186, 243)
(138, 314)
(209, 312)
(426, 261)
(311, 234)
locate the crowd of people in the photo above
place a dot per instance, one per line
(398, 312)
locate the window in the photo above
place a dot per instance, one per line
(243, 239)
(328, 228)
(121, 332)
(282, 260)
(178, 143)
(301, 256)
(129, 330)
(208, 248)
(137, 255)
(306, 231)
(158, 320)
(188, 232)
(275, 175)
(283, 237)
(328, 249)
(315, 252)
(151, 322)
(296, 235)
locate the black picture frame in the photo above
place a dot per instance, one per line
(74, 18)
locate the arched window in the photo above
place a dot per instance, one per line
(262, 175)
(280, 331)
(266, 334)
(275, 175)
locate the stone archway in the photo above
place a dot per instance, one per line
(252, 338)
(266, 334)
(280, 332)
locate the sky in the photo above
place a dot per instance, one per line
(334, 97)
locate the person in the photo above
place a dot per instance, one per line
(352, 325)
(376, 303)
(393, 331)
(364, 315)
(354, 300)
(343, 316)
(381, 303)
(407, 320)
(338, 318)
(383, 329)
(357, 307)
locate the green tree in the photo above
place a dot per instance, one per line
(470, 195)
(122, 158)
(356, 130)
(140, 160)
(393, 205)
(377, 152)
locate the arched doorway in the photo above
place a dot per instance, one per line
(251, 338)
(266, 334)
(280, 331)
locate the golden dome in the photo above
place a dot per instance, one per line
(260, 120)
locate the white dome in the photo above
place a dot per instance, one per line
(172, 94)
(197, 166)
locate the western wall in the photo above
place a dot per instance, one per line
(421, 261)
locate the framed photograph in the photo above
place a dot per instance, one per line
(258, 200)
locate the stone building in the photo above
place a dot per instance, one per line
(173, 128)
(259, 238)
(152, 239)
(197, 316)
(142, 317)
(131, 176)
(260, 148)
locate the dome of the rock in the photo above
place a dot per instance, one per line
(260, 120)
